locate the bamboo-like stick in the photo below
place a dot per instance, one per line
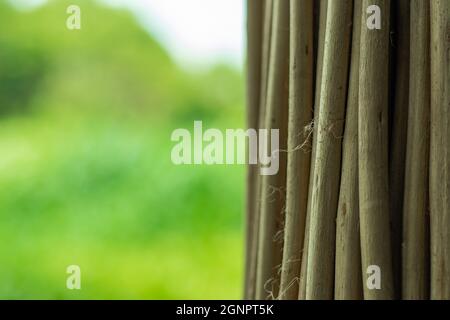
(300, 115)
(319, 66)
(325, 193)
(401, 27)
(440, 150)
(272, 199)
(304, 262)
(415, 282)
(254, 64)
(373, 152)
(348, 284)
(267, 28)
(266, 46)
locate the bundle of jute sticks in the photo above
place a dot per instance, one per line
(359, 91)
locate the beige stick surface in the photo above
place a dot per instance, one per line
(415, 280)
(373, 154)
(319, 52)
(254, 64)
(348, 281)
(320, 269)
(299, 157)
(273, 186)
(440, 150)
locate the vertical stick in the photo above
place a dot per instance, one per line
(269, 248)
(266, 46)
(401, 50)
(373, 151)
(415, 222)
(254, 64)
(320, 270)
(267, 29)
(300, 115)
(348, 284)
(319, 51)
(440, 150)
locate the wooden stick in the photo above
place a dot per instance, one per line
(300, 115)
(373, 152)
(267, 28)
(272, 198)
(266, 46)
(415, 282)
(401, 32)
(319, 66)
(325, 193)
(254, 64)
(348, 285)
(440, 150)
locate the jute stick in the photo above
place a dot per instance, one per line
(415, 282)
(254, 64)
(272, 198)
(440, 150)
(266, 46)
(348, 284)
(300, 115)
(267, 28)
(320, 274)
(319, 65)
(373, 152)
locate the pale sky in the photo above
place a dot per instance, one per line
(195, 32)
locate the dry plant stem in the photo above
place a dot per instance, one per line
(272, 198)
(440, 150)
(320, 50)
(267, 27)
(304, 262)
(254, 63)
(320, 269)
(348, 284)
(300, 115)
(266, 46)
(401, 48)
(373, 152)
(415, 209)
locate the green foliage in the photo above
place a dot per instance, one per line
(86, 172)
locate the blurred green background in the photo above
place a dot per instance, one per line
(85, 171)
